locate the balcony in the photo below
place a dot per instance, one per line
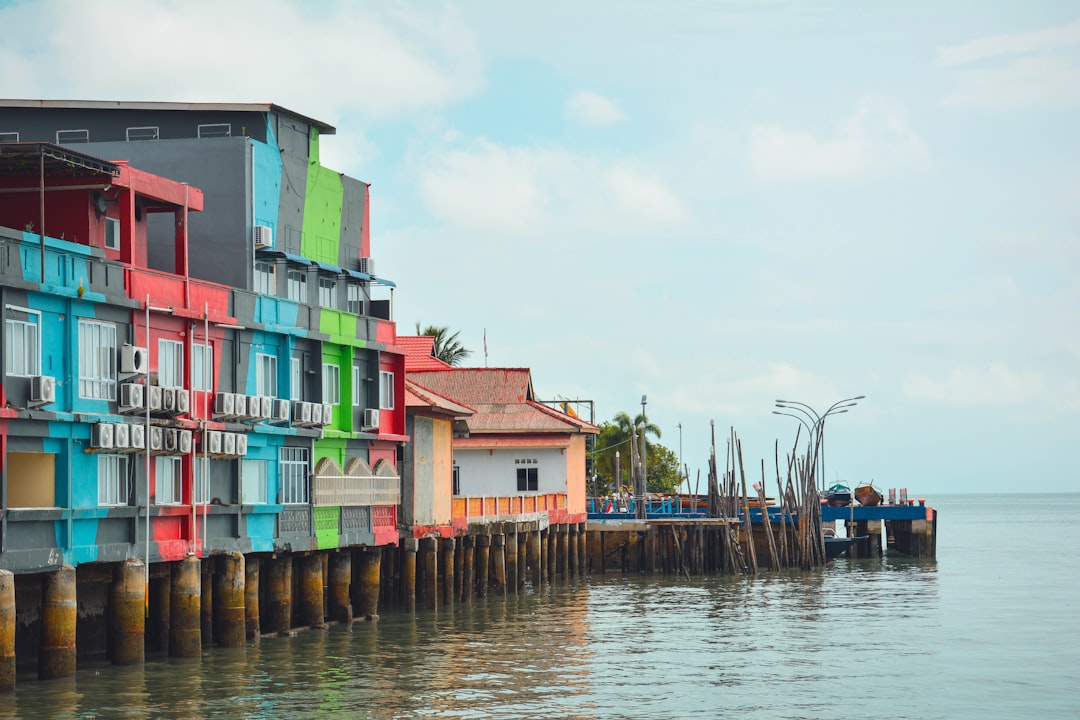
(354, 491)
(508, 507)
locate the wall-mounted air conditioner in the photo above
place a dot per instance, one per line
(171, 440)
(371, 418)
(264, 237)
(224, 405)
(42, 389)
(327, 414)
(183, 441)
(228, 443)
(281, 411)
(121, 436)
(266, 407)
(138, 437)
(367, 265)
(301, 412)
(134, 360)
(241, 445)
(156, 438)
(101, 436)
(153, 398)
(183, 401)
(213, 442)
(168, 400)
(131, 397)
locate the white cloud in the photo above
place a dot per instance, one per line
(324, 60)
(995, 384)
(1012, 44)
(529, 192)
(593, 110)
(875, 139)
(1029, 69)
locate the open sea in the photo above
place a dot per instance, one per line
(991, 629)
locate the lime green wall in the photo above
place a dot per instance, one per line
(327, 521)
(322, 210)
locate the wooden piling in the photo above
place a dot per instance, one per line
(408, 573)
(429, 553)
(483, 563)
(511, 559)
(449, 553)
(468, 579)
(498, 563)
(536, 558)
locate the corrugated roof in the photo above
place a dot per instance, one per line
(418, 397)
(533, 441)
(475, 386)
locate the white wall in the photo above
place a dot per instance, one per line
(494, 472)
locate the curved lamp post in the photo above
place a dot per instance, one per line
(840, 406)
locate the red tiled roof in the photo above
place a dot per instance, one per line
(475, 386)
(418, 397)
(523, 441)
(420, 353)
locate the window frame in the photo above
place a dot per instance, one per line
(354, 298)
(93, 383)
(112, 230)
(296, 379)
(296, 285)
(67, 141)
(112, 480)
(31, 351)
(152, 136)
(174, 479)
(328, 291)
(259, 497)
(200, 126)
(202, 364)
(294, 468)
(266, 384)
(356, 386)
(531, 477)
(174, 348)
(331, 390)
(265, 277)
(386, 388)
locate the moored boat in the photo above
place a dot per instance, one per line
(868, 495)
(837, 546)
(838, 496)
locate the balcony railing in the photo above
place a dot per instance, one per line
(355, 491)
(486, 506)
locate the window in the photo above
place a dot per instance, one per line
(265, 278)
(356, 386)
(112, 480)
(296, 390)
(386, 390)
(297, 285)
(328, 292)
(9, 137)
(253, 482)
(22, 342)
(142, 133)
(457, 480)
(170, 363)
(202, 484)
(265, 375)
(212, 130)
(66, 137)
(202, 367)
(97, 360)
(331, 384)
(168, 478)
(112, 234)
(294, 475)
(355, 298)
(527, 479)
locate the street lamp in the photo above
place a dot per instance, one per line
(818, 427)
(680, 461)
(644, 484)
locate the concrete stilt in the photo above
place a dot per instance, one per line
(572, 550)
(483, 562)
(311, 591)
(429, 551)
(230, 613)
(206, 603)
(160, 618)
(596, 551)
(536, 557)
(449, 548)
(522, 560)
(251, 596)
(561, 554)
(7, 631)
(59, 612)
(185, 628)
(127, 614)
(582, 548)
(368, 569)
(340, 584)
(408, 574)
(512, 560)
(278, 577)
(468, 567)
(498, 563)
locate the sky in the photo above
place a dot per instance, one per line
(712, 204)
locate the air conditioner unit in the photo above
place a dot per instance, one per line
(131, 397)
(121, 436)
(327, 414)
(101, 436)
(138, 437)
(367, 266)
(228, 443)
(168, 399)
(183, 441)
(42, 389)
(371, 418)
(183, 401)
(171, 440)
(266, 407)
(301, 412)
(241, 445)
(156, 438)
(264, 237)
(213, 442)
(153, 398)
(134, 360)
(281, 411)
(224, 404)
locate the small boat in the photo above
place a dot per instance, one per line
(868, 495)
(838, 496)
(837, 546)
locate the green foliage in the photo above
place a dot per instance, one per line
(662, 473)
(447, 347)
(661, 464)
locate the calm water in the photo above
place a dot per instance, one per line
(989, 630)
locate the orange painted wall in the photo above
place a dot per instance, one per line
(575, 475)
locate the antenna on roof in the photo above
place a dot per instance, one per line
(485, 347)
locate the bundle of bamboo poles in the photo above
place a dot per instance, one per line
(799, 542)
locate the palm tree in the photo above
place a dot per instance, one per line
(615, 437)
(447, 347)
